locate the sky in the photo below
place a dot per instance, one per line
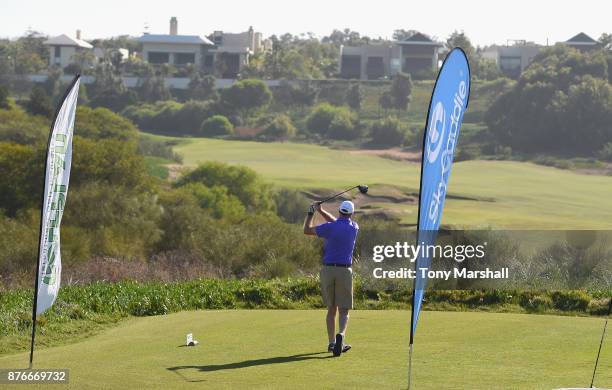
(484, 23)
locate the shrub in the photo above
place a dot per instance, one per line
(320, 119)
(606, 152)
(190, 116)
(216, 125)
(333, 122)
(343, 126)
(570, 300)
(242, 182)
(4, 103)
(18, 127)
(39, 103)
(387, 132)
(280, 127)
(103, 124)
(246, 96)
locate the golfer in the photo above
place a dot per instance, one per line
(336, 273)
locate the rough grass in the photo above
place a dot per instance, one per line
(263, 349)
(507, 194)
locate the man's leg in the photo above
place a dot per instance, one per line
(331, 323)
(343, 321)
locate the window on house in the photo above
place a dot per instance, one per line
(156, 57)
(375, 68)
(510, 65)
(184, 58)
(58, 51)
(350, 67)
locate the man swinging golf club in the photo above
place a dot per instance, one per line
(340, 235)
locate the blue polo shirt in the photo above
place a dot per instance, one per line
(340, 237)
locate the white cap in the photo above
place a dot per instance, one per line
(347, 207)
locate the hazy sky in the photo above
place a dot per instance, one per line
(535, 20)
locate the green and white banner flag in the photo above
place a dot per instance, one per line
(57, 175)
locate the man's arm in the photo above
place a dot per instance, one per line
(309, 230)
(327, 215)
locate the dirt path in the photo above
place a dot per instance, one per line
(392, 153)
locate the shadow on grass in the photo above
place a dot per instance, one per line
(250, 363)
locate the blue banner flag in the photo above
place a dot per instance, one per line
(449, 101)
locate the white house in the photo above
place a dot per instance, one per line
(175, 49)
(62, 49)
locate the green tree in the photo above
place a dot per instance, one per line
(216, 200)
(202, 87)
(354, 96)
(459, 39)
(4, 102)
(385, 101)
(605, 40)
(241, 182)
(39, 103)
(401, 89)
(401, 34)
(320, 118)
(280, 127)
(343, 126)
(562, 103)
(247, 97)
(216, 125)
(103, 124)
(387, 132)
(20, 180)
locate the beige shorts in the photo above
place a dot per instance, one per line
(337, 287)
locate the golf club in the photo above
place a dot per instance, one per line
(362, 188)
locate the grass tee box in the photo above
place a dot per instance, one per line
(502, 194)
(263, 349)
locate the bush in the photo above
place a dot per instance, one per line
(320, 119)
(4, 103)
(387, 132)
(333, 122)
(290, 205)
(189, 118)
(103, 124)
(246, 97)
(216, 125)
(18, 127)
(39, 103)
(280, 127)
(242, 182)
(343, 126)
(606, 152)
(570, 300)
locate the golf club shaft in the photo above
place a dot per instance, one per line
(337, 195)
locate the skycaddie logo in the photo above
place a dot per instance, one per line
(436, 138)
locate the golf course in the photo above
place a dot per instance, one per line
(499, 194)
(262, 349)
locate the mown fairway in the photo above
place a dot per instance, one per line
(285, 349)
(501, 193)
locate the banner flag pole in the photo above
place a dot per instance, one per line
(53, 198)
(603, 335)
(449, 100)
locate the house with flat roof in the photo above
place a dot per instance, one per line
(416, 54)
(64, 49)
(177, 50)
(512, 59)
(233, 50)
